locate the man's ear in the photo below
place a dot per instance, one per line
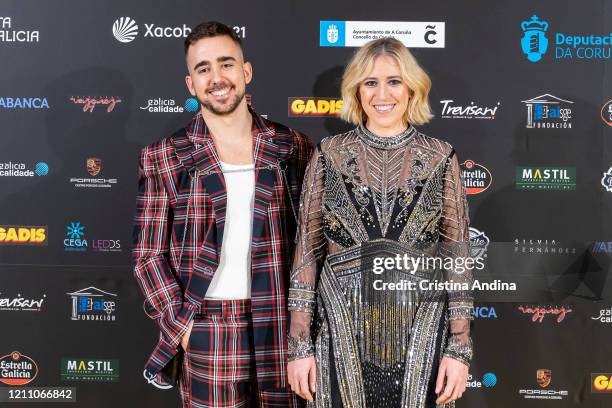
(248, 72)
(189, 84)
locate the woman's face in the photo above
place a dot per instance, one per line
(384, 97)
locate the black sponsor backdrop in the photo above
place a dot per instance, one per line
(482, 62)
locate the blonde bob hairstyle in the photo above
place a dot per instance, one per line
(419, 84)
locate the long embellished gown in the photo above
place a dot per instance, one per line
(366, 196)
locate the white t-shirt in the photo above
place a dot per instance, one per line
(232, 279)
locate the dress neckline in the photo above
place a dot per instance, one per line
(386, 142)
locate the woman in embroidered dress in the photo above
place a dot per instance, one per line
(378, 191)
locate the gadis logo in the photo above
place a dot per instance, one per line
(125, 29)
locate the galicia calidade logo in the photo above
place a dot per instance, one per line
(125, 29)
(606, 180)
(534, 41)
(192, 105)
(489, 380)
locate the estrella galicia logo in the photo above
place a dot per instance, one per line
(93, 304)
(534, 41)
(332, 33)
(75, 238)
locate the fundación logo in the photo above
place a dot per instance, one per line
(415, 34)
(8, 34)
(310, 106)
(17, 169)
(583, 46)
(125, 30)
(23, 235)
(450, 110)
(93, 304)
(546, 178)
(21, 304)
(88, 369)
(17, 369)
(94, 168)
(476, 177)
(548, 112)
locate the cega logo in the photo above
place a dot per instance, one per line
(484, 312)
(75, 238)
(534, 42)
(17, 369)
(23, 235)
(125, 29)
(16, 102)
(478, 243)
(606, 180)
(304, 106)
(601, 383)
(476, 177)
(539, 312)
(606, 113)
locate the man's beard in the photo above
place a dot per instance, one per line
(224, 111)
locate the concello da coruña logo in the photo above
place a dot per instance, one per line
(17, 369)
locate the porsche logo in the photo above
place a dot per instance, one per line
(544, 377)
(94, 166)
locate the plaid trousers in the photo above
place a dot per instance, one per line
(219, 363)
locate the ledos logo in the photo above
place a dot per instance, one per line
(534, 41)
(305, 106)
(23, 235)
(17, 369)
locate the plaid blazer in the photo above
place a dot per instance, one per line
(178, 231)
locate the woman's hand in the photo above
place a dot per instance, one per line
(303, 377)
(452, 378)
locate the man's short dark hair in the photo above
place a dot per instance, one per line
(209, 29)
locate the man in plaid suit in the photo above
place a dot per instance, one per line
(234, 350)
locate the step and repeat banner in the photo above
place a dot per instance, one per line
(521, 89)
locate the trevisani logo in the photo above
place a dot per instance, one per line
(9, 34)
(23, 235)
(126, 29)
(307, 106)
(416, 34)
(450, 110)
(546, 178)
(88, 369)
(93, 304)
(568, 46)
(18, 102)
(548, 112)
(17, 369)
(21, 304)
(11, 169)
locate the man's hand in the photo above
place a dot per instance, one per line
(303, 377)
(454, 373)
(185, 339)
